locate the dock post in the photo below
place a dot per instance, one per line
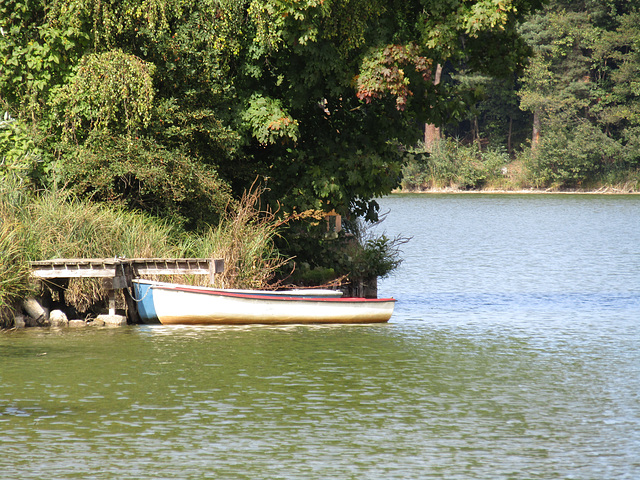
(112, 302)
(215, 266)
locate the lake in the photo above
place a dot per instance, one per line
(512, 354)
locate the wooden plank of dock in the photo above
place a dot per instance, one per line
(75, 268)
(118, 272)
(109, 267)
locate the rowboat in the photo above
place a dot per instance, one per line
(170, 303)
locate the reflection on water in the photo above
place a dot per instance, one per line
(484, 379)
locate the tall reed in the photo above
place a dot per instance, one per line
(244, 239)
(58, 225)
(14, 270)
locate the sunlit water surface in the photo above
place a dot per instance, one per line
(513, 354)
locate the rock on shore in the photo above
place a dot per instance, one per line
(33, 314)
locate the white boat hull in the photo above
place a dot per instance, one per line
(181, 304)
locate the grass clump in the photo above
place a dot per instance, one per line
(14, 270)
(244, 239)
(56, 224)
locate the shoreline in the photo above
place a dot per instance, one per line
(454, 191)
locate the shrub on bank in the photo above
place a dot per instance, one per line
(557, 164)
(346, 258)
(454, 165)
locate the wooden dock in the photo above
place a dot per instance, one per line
(118, 272)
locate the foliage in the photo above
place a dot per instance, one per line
(251, 88)
(111, 91)
(19, 153)
(579, 90)
(140, 173)
(383, 71)
(268, 122)
(582, 83)
(110, 97)
(496, 120)
(571, 154)
(38, 51)
(374, 257)
(323, 256)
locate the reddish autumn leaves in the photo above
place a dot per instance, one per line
(384, 72)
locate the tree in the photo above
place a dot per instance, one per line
(348, 147)
(315, 97)
(581, 88)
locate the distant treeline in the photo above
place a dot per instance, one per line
(569, 120)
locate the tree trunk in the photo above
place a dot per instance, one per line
(431, 132)
(509, 136)
(535, 138)
(475, 131)
(431, 136)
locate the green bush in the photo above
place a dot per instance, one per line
(452, 164)
(572, 156)
(19, 153)
(142, 174)
(320, 257)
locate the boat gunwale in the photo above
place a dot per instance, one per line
(260, 296)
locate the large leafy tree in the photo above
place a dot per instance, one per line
(172, 106)
(345, 84)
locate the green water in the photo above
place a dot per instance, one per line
(480, 374)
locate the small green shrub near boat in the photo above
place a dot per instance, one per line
(350, 256)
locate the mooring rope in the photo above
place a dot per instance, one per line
(143, 297)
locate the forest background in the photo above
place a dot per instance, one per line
(569, 121)
(230, 128)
